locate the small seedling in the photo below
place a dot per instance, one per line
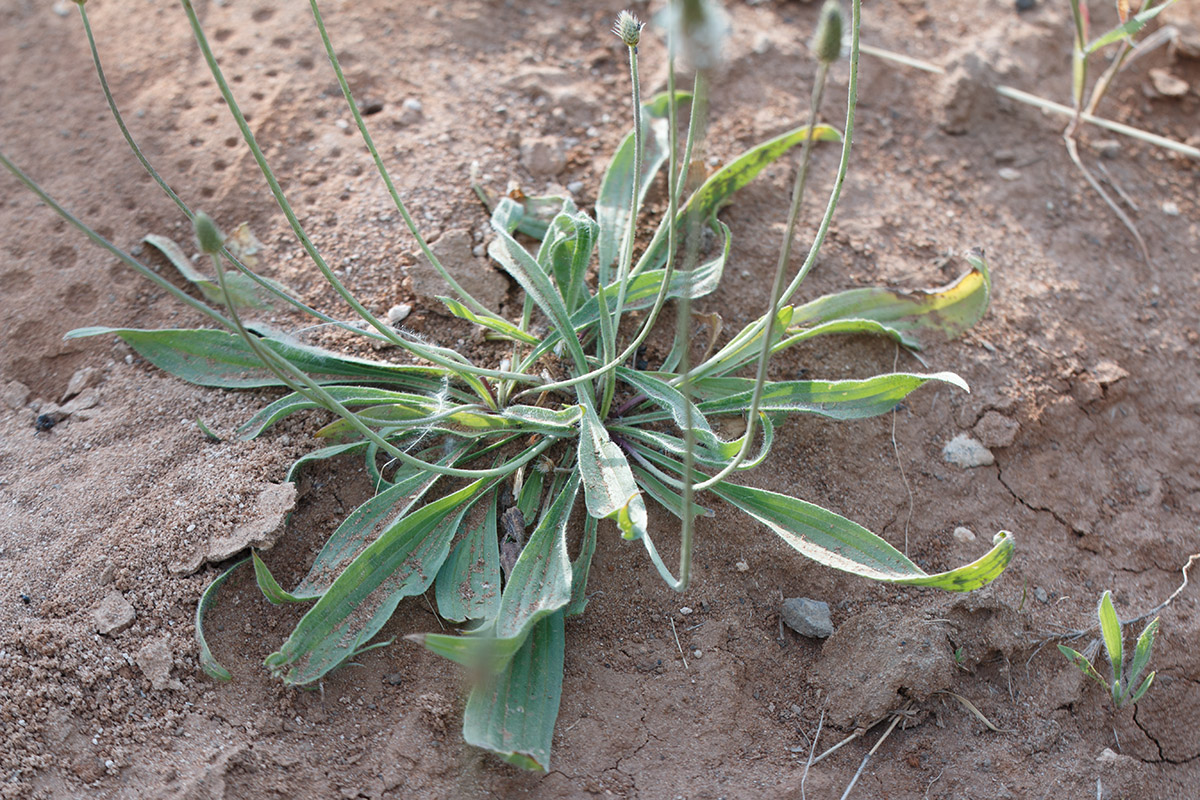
(1123, 681)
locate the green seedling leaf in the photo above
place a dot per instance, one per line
(536, 212)
(216, 358)
(949, 311)
(207, 431)
(608, 484)
(1141, 652)
(1110, 633)
(1125, 30)
(616, 189)
(500, 326)
(540, 581)
(566, 251)
(853, 399)
(243, 290)
(1145, 686)
(208, 663)
(835, 541)
(468, 585)
(513, 714)
(1083, 665)
(402, 562)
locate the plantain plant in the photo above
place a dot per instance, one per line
(479, 469)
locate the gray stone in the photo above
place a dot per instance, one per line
(155, 661)
(966, 452)
(82, 379)
(808, 617)
(964, 535)
(113, 615)
(543, 156)
(15, 395)
(453, 250)
(410, 113)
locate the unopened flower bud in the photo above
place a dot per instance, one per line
(628, 29)
(827, 43)
(698, 28)
(210, 238)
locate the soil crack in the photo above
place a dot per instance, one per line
(1027, 504)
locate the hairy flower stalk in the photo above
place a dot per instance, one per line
(827, 46)
(629, 30)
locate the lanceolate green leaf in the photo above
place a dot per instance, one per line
(526, 271)
(1141, 653)
(580, 568)
(854, 399)
(1110, 630)
(500, 326)
(949, 311)
(246, 293)
(513, 714)
(566, 252)
(333, 451)
(349, 396)
(366, 524)
(835, 541)
(208, 663)
(721, 185)
(468, 585)
(608, 484)
(1135, 24)
(401, 562)
(616, 189)
(216, 358)
(539, 584)
(1083, 665)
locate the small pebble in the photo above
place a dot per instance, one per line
(397, 314)
(966, 452)
(807, 617)
(1170, 208)
(685, 611)
(742, 566)
(575, 187)
(964, 534)
(1041, 594)
(1009, 174)
(1167, 84)
(698, 654)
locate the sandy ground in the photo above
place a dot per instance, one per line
(1084, 385)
